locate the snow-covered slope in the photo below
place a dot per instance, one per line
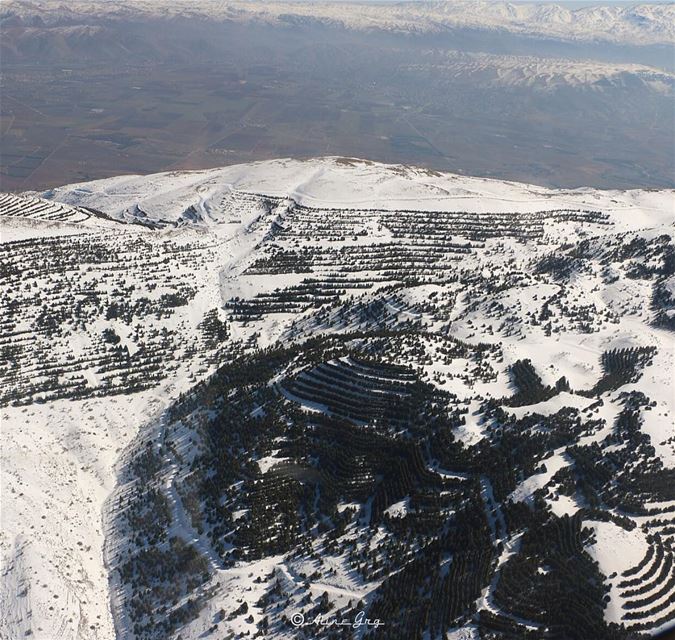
(201, 198)
(445, 360)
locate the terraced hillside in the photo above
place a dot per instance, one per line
(99, 311)
(39, 209)
(438, 405)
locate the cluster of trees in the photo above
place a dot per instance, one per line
(427, 247)
(215, 331)
(552, 582)
(530, 388)
(663, 304)
(381, 434)
(311, 292)
(621, 366)
(476, 227)
(376, 443)
(357, 392)
(61, 286)
(158, 578)
(440, 586)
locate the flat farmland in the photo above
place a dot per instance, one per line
(63, 124)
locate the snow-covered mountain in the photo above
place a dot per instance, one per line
(640, 24)
(537, 73)
(240, 398)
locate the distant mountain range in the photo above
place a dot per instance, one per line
(640, 24)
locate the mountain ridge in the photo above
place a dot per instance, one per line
(297, 378)
(640, 24)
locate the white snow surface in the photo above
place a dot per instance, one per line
(347, 182)
(57, 470)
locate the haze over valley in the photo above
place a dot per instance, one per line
(556, 98)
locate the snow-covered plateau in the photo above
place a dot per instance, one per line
(237, 398)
